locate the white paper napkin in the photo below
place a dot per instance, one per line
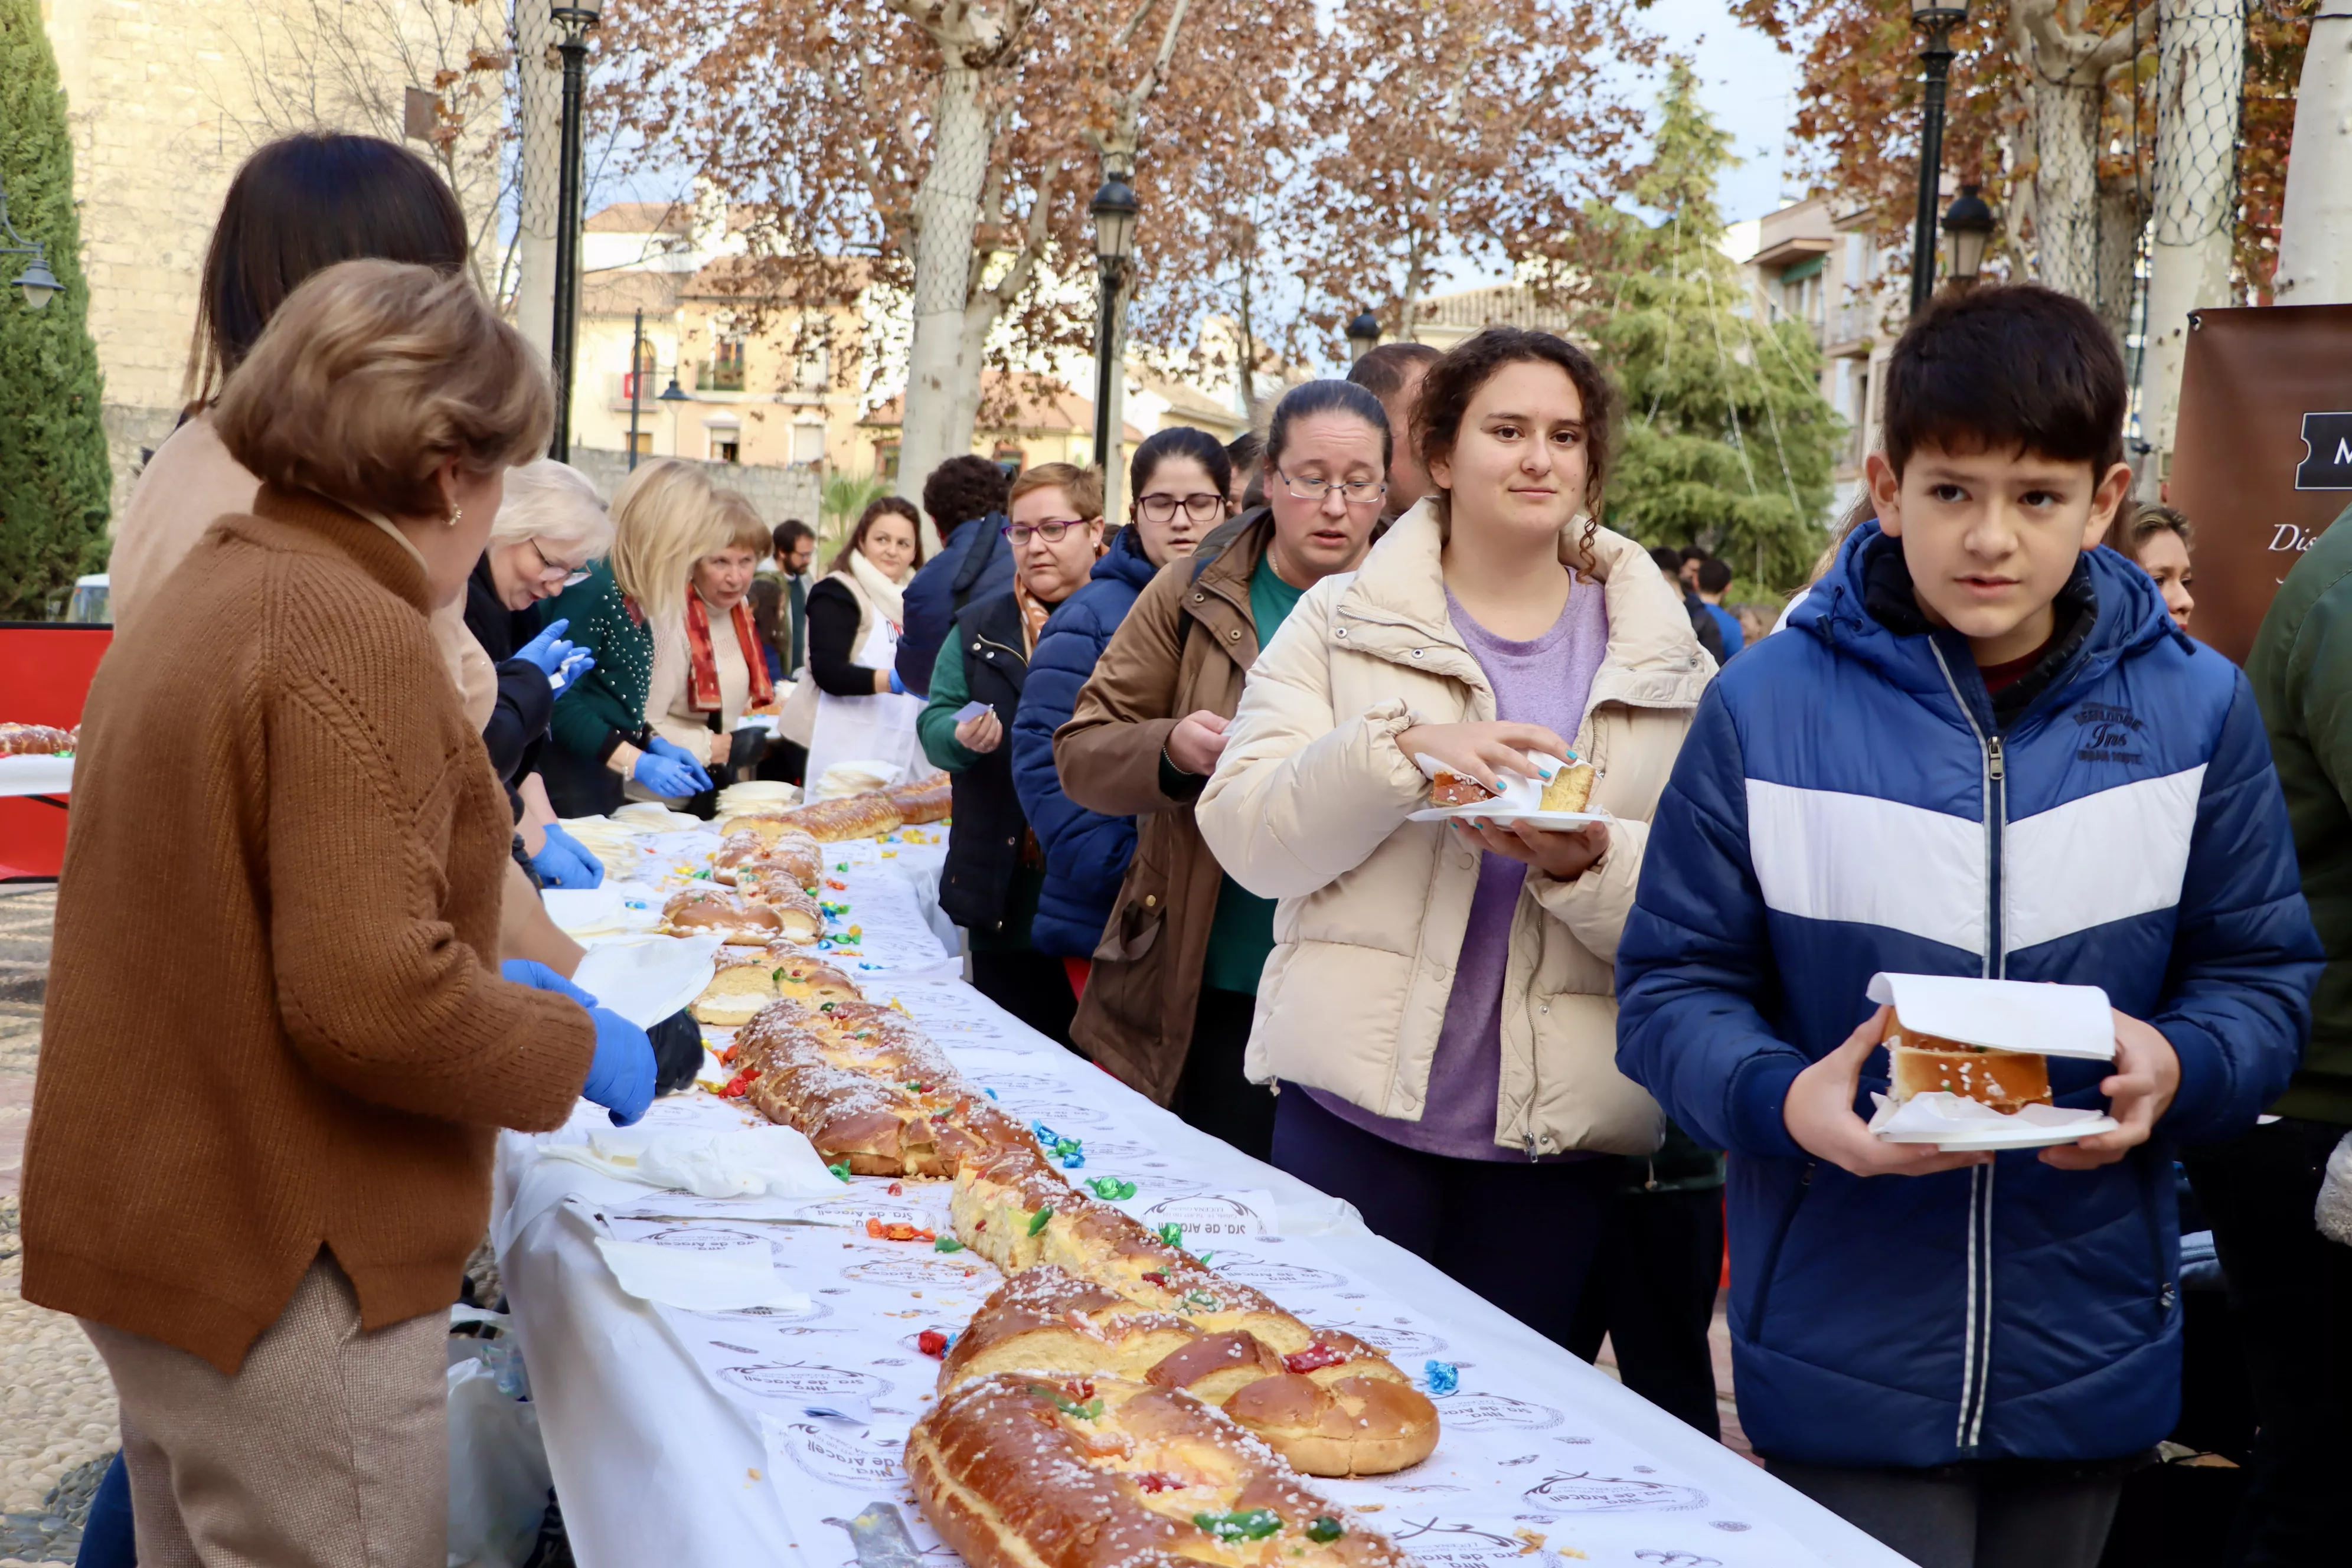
(2004, 1014)
(719, 1279)
(1957, 1115)
(752, 1162)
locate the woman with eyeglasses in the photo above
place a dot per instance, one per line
(1177, 479)
(1442, 1007)
(548, 528)
(1174, 985)
(994, 866)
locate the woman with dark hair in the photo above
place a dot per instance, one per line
(1168, 1005)
(300, 203)
(1457, 1075)
(1178, 480)
(855, 612)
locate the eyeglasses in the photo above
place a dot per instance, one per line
(1356, 492)
(1201, 508)
(572, 575)
(1052, 528)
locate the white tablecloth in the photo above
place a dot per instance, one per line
(36, 775)
(687, 1438)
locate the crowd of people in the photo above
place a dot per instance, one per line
(1188, 744)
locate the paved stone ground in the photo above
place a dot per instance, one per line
(56, 1407)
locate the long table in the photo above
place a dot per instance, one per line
(750, 1438)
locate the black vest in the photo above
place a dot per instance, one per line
(984, 841)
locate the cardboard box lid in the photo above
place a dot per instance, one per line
(2003, 1015)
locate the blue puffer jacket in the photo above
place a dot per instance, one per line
(1085, 852)
(1844, 805)
(972, 567)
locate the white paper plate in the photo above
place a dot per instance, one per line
(583, 909)
(1504, 816)
(2021, 1135)
(649, 978)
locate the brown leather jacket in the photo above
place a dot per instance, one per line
(1187, 645)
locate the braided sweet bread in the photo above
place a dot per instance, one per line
(927, 799)
(1018, 1472)
(1328, 1403)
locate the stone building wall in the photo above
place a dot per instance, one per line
(166, 98)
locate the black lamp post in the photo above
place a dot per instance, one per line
(1967, 231)
(1363, 335)
(673, 395)
(1936, 19)
(575, 22)
(1114, 209)
(39, 283)
(636, 374)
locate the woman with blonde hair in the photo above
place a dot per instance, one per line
(696, 699)
(319, 1046)
(2157, 539)
(629, 611)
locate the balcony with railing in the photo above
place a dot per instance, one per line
(720, 375)
(1853, 322)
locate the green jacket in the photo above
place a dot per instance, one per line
(2301, 668)
(607, 705)
(937, 723)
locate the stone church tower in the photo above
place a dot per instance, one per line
(167, 97)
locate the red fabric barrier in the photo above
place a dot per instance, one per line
(45, 671)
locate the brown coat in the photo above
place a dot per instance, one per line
(1187, 645)
(273, 1023)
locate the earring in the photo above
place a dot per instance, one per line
(455, 514)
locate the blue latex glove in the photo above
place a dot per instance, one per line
(679, 753)
(668, 776)
(547, 649)
(897, 686)
(564, 862)
(621, 1074)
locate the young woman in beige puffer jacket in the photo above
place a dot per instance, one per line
(1439, 1008)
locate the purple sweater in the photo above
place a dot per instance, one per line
(1541, 682)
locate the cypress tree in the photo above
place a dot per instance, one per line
(54, 475)
(1727, 441)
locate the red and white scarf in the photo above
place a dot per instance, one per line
(702, 665)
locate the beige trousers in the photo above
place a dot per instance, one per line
(328, 1447)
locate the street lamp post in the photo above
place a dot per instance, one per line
(39, 283)
(1114, 209)
(673, 395)
(636, 374)
(1937, 18)
(575, 22)
(1967, 231)
(1363, 335)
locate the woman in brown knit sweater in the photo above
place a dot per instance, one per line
(276, 1044)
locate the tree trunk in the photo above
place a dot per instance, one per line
(2121, 216)
(943, 358)
(2314, 264)
(539, 126)
(2200, 77)
(2065, 188)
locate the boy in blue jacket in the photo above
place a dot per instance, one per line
(1981, 749)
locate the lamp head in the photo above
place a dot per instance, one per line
(673, 393)
(1114, 209)
(1928, 13)
(1363, 334)
(37, 281)
(576, 18)
(1967, 228)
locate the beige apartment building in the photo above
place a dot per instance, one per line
(1824, 269)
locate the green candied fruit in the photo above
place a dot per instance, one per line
(946, 1243)
(841, 1170)
(1173, 1235)
(1254, 1524)
(1090, 1410)
(1325, 1530)
(1038, 1221)
(1110, 1189)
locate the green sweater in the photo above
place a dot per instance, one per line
(2301, 668)
(607, 705)
(1241, 932)
(935, 728)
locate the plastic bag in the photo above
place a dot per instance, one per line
(498, 1471)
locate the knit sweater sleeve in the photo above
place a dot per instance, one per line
(378, 993)
(832, 628)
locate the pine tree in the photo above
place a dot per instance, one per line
(54, 477)
(1728, 442)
